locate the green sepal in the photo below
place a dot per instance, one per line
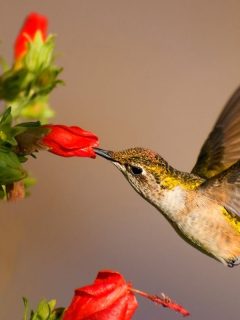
(44, 310)
(39, 54)
(29, 141)
(30, 124)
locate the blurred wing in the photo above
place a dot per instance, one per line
(222, 147)
(225, 189)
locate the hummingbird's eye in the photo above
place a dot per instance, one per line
(136, 170)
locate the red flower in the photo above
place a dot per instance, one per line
(108, 298)
(70, 141)
(33, 23)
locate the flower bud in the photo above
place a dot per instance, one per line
(34, 25)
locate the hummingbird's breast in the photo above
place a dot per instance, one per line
(202, 222)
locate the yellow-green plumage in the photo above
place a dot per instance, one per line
(231, 219)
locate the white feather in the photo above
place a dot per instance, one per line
(173, 201)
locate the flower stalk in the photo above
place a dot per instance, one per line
(163, 300)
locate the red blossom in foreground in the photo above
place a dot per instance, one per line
(33, 23)
(70, 141)
(110, 297)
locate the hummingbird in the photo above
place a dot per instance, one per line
(203, 206)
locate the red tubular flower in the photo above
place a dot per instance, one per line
(70, 141)
(33, 23)
(108, 298)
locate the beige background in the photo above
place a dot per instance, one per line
(138, 73)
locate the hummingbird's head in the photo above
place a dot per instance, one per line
(143, 168)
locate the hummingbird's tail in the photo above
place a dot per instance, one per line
(233, 263)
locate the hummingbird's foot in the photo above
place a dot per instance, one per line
(233, 262)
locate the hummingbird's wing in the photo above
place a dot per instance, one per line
(225, 189)
(222, 147)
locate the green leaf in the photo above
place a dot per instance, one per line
(7, 133)
(10, 167)
(12, 83)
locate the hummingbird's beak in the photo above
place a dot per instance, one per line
(103, 153)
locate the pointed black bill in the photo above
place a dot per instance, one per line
(103, 153)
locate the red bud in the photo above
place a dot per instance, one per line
(33, 23)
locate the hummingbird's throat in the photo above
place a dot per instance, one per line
(182, 179)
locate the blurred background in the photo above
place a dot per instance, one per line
(138, 73)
